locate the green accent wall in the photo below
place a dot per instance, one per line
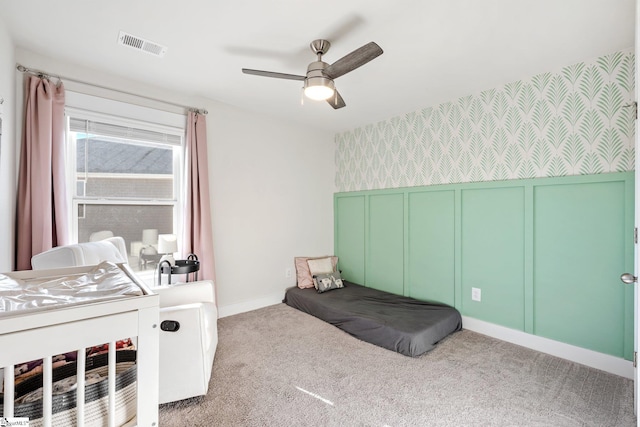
(546, 253)
(579, 253)
(385, 248)
(350, 236)
(431, 246)
(493, 254)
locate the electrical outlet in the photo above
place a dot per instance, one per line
(287, 273)
(476, 294)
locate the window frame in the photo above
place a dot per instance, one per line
(82, 106)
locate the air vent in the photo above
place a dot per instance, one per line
(141, 44)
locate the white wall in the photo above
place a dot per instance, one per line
(7, 148)
(272, 200)
(271, 187)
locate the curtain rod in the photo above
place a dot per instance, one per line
(39, 73)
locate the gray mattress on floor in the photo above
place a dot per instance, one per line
(395, 322)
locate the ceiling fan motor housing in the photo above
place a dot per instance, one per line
(316, 77)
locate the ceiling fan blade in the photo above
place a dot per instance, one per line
(353, 60)
(272, 74)
(336, 101)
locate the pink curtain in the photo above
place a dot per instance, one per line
(42, 217)
(198, 236)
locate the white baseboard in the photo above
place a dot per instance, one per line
(242, 307)
(604, 362)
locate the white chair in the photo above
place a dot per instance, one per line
(188, 318)
(91, 253)
(186, 356)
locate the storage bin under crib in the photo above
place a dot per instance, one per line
(28, 394)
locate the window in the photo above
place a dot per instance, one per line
(126, 181)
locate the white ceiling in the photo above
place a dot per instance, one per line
(434, 50)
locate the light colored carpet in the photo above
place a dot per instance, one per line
(278, 366)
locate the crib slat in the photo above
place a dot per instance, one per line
(47, 391)
(112, 384)
(81, 360)
(8, 391)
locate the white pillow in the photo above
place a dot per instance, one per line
(319, 266)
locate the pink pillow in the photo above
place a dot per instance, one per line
(303, 275)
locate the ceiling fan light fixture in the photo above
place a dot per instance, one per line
(319, 88)
(318, 82)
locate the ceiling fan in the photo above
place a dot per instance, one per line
(318, 83)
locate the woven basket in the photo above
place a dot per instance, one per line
(96, 395)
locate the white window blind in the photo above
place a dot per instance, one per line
(117, 131)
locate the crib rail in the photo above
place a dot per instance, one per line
(25, 337)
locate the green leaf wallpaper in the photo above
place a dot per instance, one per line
(569, 122)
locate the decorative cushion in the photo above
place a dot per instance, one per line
(303, 275)
(319, 266)
(328, 281)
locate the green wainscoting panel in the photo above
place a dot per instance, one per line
(579, 254)
(431, 243)
(349, 236)
(546, 253)
(493, 255)
(385, 246)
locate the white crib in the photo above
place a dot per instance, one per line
(41, 334)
